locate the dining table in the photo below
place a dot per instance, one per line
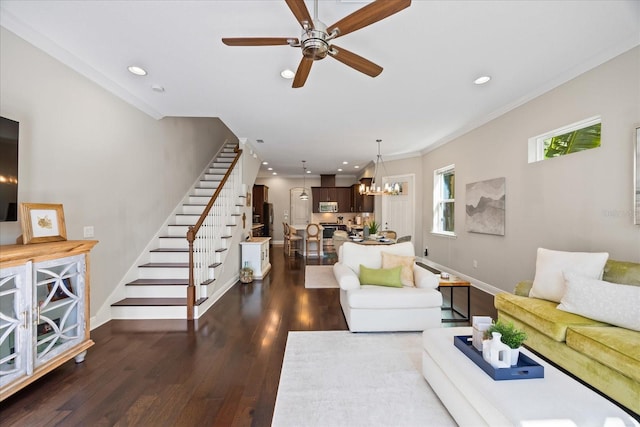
(372, 241)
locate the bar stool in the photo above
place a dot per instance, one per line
(285, 234)
(313, 235)
(292, 239)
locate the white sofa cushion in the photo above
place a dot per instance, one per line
(549, 283)
(382, 297)
(353, 254)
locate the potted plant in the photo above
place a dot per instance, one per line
(511, 336)
(373, 228)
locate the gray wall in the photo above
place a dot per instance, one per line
(579, 202)
(109, 164)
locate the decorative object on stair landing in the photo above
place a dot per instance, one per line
(246, 273)
(485, 207)
(41, 222)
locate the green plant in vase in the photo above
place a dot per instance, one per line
(511, 336)
(373, 227)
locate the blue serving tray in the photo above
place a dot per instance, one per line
(526, 368)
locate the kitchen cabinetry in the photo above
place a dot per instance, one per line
(344, 199)
(359, 202)
(44, 305)
(256, 252)
(324, 194)
(260, 197)
(341, 195)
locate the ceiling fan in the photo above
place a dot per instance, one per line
(316, 36)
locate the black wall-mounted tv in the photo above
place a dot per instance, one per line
(8, 169)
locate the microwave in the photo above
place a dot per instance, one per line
(328, 207)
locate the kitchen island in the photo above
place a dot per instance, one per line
(301, 230)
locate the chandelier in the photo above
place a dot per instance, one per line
(374, 189)
(304, 195)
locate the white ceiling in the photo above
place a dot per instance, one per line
(431, 53)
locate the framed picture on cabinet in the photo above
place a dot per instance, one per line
(46, 328)
(42, 222)
(60, 292)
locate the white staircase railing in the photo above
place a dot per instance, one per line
(207, 237)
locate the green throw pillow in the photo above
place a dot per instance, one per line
(381, 276)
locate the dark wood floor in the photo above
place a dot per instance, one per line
(221, 370)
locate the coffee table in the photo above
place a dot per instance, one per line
(474, 399)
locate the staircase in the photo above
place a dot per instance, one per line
(160, 291)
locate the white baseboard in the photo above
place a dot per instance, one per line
(490, 289)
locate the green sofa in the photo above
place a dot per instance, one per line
(605, 356)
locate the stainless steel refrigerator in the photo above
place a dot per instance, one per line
(267, 219)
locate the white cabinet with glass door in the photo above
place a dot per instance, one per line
(44, 309)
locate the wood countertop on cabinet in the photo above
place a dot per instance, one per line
(10, 254)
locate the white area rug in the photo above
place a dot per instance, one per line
(319, 276)
(338, 378)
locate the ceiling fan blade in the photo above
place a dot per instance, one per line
(301, 13)
(302, 73)
(354, 61)
(371, 13)
(260, 41)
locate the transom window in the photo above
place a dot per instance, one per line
(444, 200)
(580, 136)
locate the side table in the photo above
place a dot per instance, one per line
(451, 283)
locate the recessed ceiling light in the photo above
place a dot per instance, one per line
(345, 163)
(287, 74)
(308, 171)
(269, 169)
(138, 71)
(265, 163)
(274, 173)
(339, 169)
(482, 80)
(356, 167)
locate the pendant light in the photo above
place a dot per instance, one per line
(304, 195)
(374, 189)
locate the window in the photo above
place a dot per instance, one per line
(573, 138)
(443, 200)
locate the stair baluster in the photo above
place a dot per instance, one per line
(205, 237)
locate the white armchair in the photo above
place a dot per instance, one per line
(370, 308)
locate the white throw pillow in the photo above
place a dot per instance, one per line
(607, 302)
(549, 282)
(406, 262)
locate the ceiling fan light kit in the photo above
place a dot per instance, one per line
(315, 41)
